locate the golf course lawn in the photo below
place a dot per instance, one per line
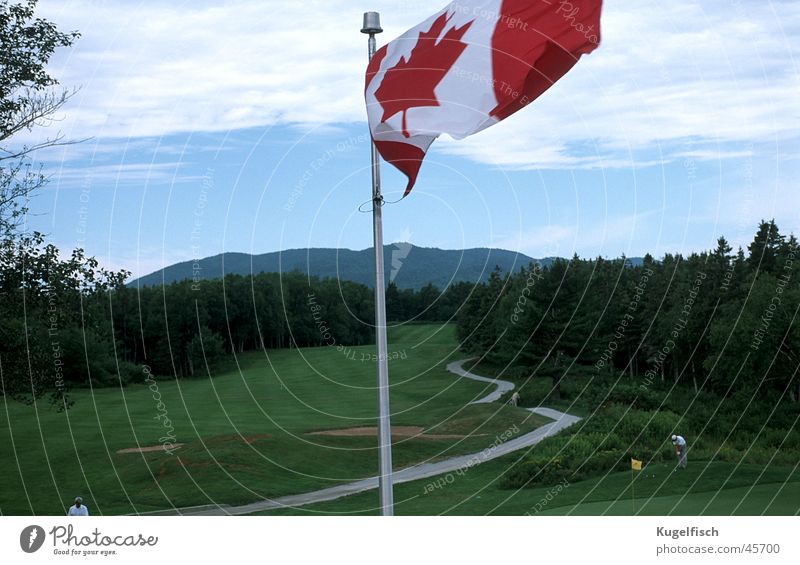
(245, 433)
(704, 488)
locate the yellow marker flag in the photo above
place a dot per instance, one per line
(636, 465)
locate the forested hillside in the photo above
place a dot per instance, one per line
(407, 266)
(716, 320)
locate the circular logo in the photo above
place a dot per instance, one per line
(31, 538)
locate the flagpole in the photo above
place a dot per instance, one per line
(372, 26)
(633, 493)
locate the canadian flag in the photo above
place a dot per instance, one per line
(469, 66)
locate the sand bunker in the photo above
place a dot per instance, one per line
(211, 441)
(148, 449)
(397, 431)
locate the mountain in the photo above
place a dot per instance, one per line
(407, 265)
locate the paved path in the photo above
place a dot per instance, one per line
(421, 471)
(562, 420)
(502, 386)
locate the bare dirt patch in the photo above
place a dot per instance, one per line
(209, 442)
(249, 440)
(397, 431)
(148, 448)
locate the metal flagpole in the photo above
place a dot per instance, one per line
(633, 492)
(372, 25)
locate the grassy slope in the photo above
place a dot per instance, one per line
(704, 488)
(244, 431)
(707, 487)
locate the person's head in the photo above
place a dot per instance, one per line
(78, 501)
(674, 437)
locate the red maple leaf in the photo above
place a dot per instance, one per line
(411, 84)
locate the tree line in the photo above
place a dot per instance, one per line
(717, 321)
(72, 323)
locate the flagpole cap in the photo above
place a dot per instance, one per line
(372, 23)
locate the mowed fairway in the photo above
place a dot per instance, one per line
(705, 488)
(245, 432)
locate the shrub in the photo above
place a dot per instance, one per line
(516, 373)
(131, 373)
(539, 471)
(628, 422)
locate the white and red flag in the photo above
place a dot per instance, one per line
(469, 66)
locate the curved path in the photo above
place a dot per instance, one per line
(560, 421)
(502, 386)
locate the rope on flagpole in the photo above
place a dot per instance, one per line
(383, 201)
(392, 201)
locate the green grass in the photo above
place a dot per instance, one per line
(245, 435)
(245, 431)
(704, 488)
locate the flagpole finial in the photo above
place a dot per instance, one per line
(372, 23)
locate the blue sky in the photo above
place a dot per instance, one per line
(241, 127)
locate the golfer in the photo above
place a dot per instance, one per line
(78, 509)
(680, 449)
(514, 399)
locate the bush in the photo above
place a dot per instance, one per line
(539, 471)
(206, 353)
(130, 373)
(632, 395)
(516, 373)
(631, 422)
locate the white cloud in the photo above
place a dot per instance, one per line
(667, 76)
(145, 260)
(123, 174)
(714, 73)
(610, 237)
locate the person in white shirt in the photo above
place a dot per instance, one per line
(78, 509)
(680, 449)
(514, 399)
